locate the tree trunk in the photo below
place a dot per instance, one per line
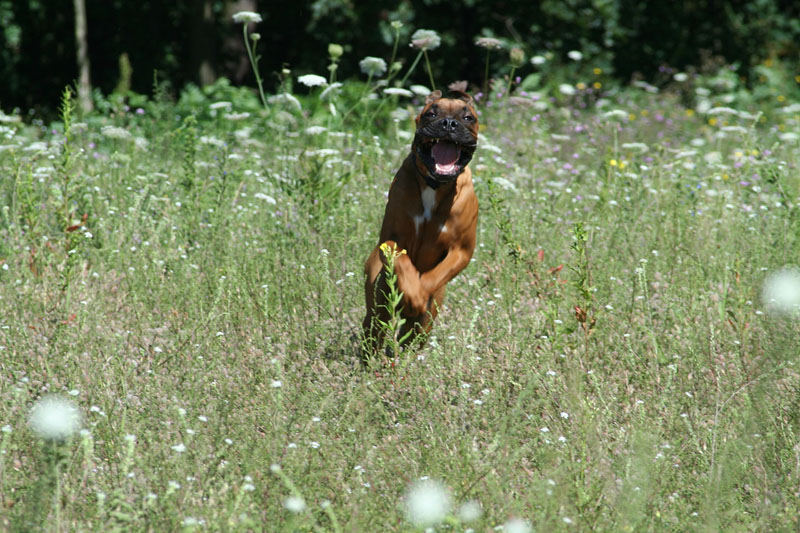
(82, 48)
(204, 50)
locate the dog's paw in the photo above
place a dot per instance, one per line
(415, 304)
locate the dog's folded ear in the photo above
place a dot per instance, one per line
(432, 97)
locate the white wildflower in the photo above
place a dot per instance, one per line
(781, 291)
(236, 116)
(505, 184)
(420, 90)
(372, 66)
(490, 43)
(517, 525)
(115, 132)
(54, 418)
(615, 114)
(312, 80)
(244, 17)
(734, 129)
(575, 55)
(315, 130)
(470, 511)
(427, 503)
(722, 111)
(567, 89)
(425, 40)
(330, 90)
(267, 198)
(635, 147)
(9, 118)
(322, 152)
(295, 504)
(285, 98)
(211, 140)
(398, 91)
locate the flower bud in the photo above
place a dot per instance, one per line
(517, 57)
(335, 51)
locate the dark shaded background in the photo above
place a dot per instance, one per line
(195, 40)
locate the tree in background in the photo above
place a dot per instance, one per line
(82, 49)
(195, 40)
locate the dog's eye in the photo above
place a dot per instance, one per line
(429, 114)
(469, 118)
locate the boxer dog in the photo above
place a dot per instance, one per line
(431, 215)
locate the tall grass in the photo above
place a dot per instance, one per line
(190, 275)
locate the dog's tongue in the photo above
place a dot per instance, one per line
(445, 156)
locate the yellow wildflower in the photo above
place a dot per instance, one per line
(391, 251)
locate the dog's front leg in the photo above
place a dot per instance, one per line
(455, 261)
(415, 298)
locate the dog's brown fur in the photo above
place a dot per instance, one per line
(433, 217)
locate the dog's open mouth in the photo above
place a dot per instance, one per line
(444, 158)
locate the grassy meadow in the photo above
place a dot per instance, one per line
(189, 275)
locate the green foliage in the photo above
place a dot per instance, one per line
(626, 39)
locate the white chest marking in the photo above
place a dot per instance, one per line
(428, 203)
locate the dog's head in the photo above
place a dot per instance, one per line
(446, 136)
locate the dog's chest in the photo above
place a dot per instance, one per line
(428, 197)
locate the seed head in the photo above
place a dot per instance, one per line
(427, 503)
(55, 418)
